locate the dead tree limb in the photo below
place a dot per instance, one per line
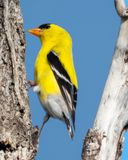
(104, 140)
(16, 132)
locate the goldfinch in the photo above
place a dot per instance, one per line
(55, 78)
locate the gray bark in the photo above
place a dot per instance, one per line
(18, 140)
(104, 140)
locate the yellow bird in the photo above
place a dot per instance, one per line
(55, 78)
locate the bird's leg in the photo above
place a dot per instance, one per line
(30, 84)
(46, 118)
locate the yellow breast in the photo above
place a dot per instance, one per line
(44, 77)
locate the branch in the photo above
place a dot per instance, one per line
(104, 140)
(121, 8)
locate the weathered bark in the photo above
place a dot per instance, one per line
(104, 140)
(17, 137)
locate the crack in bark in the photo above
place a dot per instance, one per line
(126, 56)
(12, 50)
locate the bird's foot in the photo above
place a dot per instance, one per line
(29, 84)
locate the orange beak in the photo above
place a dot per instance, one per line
(35, 31)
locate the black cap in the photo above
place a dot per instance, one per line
(45, 26)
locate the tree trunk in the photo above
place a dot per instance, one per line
(104, 140)
(18, 140)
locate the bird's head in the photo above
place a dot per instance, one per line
(51, 33)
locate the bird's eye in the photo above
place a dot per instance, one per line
(47, 27)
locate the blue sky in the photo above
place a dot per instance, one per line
(94, 28)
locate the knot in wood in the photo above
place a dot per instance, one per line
(126, 56)
(92, 144)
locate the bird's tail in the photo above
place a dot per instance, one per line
(69, 126)
(70, 130)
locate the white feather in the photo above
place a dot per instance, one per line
(36, 89)
(60, 75)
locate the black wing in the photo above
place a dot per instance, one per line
(68, 90)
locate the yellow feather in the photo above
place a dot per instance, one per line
(58, 40)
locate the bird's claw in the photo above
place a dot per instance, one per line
(29, 84)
